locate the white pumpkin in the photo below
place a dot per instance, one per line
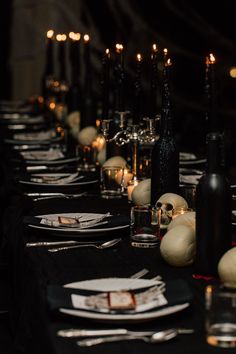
(188, 219)
(178, 246)
(87, 135)
(73, 119)
(227, 267)
(174, 199)
(115, 161)
(141, 194)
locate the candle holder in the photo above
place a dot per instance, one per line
(132, 134)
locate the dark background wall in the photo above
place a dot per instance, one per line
(5, 25)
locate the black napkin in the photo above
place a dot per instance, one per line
(177, 292)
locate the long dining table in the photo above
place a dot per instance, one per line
(38, 277)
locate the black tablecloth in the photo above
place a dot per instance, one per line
(34, 269)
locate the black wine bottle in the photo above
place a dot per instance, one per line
(213, 210)
(165, 154)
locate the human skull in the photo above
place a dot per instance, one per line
(166, 213)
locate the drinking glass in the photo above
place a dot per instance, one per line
(111, 181)
(220, 316)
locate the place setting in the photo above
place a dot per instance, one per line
(78, 224)
(120, 300)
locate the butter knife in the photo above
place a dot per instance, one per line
(48, 244)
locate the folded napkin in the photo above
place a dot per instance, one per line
(177, 292)
(112, 222)
(55, 178)
(45, 135)
(46, 155)
(189, 179)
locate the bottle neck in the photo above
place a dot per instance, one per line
(214, 154)
(166, 117)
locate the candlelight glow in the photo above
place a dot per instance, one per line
(86, 38)
(61, 37)
(50, 33)
(232, 72)
(119, 47)
(107, 51)
(74, 36)
(52, 105)
(139, 57)
(165, 51)
(154, 48)
(168, 62)
(211, 59)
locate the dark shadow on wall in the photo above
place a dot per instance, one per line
(5, 26)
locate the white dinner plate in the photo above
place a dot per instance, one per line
(80, 182)
(115, 317)
(113, 225)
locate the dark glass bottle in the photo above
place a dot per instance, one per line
(213, 210)
(165, 154)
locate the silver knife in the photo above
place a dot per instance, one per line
(54, 243)
(69, 333)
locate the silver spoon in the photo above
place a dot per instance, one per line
(104, 245)
(157, 337)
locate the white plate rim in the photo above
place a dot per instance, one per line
(126, 317)
(58, 185)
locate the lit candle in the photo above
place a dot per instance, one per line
(105, 84)
(87, 52)
(211, 93)
(137, 90)
(61, 38)
(49, 53)
(154, 82)
(75, 55)
(133, 183)
(119, 74)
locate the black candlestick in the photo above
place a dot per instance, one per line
(105, 82)
(137, 91)
(75, 56)
(61, 38)
(154, 83)
(119, 78)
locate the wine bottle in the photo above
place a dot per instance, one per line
(213, 210)
(165, 154)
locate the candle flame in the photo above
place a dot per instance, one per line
(74, 36)
(119, 47)
(86, 38)
(168, 62)
(139, 57)
(107, 51)
(154, 48)
(165, 51)
(61, 37)
(211, 59)
(50, 33)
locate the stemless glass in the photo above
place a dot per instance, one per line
(111, 182)
(220, 316)
(145, 226)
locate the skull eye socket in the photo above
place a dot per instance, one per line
(165, 206)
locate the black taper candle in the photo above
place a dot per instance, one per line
(49, 71)
(137, 91)
(75, 56)
(119, 78)
(105, 83)
(61, 38)
(214, 124)
(154, 83)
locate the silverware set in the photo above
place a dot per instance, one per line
(95, 337)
